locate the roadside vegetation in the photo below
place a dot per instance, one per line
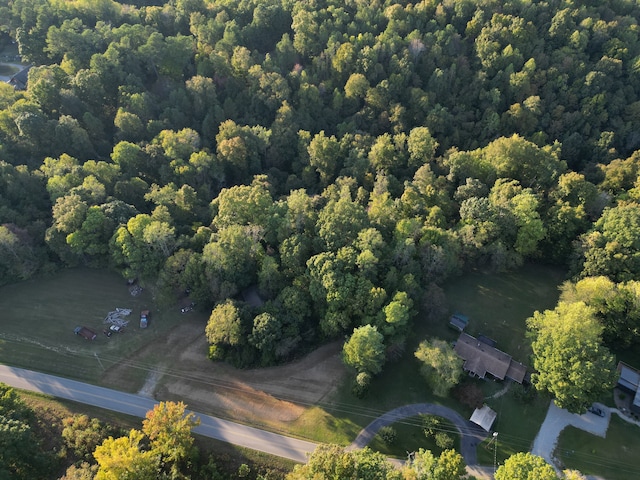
(302, 173)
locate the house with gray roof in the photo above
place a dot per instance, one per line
(481, 357)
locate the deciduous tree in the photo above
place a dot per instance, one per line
(364, 350)
(525, 466)
(568, 356)
(441, 366)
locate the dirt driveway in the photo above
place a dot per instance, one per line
(178, 369)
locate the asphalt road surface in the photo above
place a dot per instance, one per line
(138, 406)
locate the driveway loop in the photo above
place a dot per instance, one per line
(470, 434)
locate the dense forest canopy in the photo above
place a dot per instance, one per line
(339, 155)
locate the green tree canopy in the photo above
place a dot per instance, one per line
(568, 356)
(612, 248)
(525, 466)
(441, 366)
(364, 350)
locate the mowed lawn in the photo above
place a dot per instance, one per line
(613, 457)
(38, 318)
(498, 306)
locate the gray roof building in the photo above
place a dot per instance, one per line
(629, 381)
(481, 358)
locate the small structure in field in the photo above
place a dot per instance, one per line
(484, 417)
(85, 333)
(116, 317)
(458, 321)
(144, 318)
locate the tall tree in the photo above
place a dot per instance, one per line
(525, 466)
(124, 457)
(168, 426)
(568, 356)
(441, 366)
(612, 248)
(364, 350)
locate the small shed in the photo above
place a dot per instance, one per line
(484, 417)
(458, 321)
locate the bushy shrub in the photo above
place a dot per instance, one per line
(388, 435)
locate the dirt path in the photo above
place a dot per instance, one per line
(278, 394)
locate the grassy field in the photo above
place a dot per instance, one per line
(517, 425)
(497, 306)
(613, 457)
(39, 316)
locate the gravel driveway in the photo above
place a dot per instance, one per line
(557, 419)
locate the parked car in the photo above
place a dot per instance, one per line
(85, 332)
(188, 308)
(144, 318)
(596, 410)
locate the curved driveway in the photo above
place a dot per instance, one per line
(470, 434)
(138, 406)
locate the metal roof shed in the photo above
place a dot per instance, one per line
(484, 417)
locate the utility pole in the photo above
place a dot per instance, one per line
(495, 452)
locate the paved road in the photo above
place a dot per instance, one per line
(470, 434)
(138, 406)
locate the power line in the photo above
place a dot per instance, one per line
(338, 407)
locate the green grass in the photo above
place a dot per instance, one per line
(411, 437)
(517, 425)
(613, 457)
(38, 318)
(7, 70)
(39, 315)
(498, 306)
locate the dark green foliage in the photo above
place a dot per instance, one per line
(388, 435)
(340, 157)
(81, 435)
(21, 456)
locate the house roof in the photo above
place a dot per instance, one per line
(630, 379)
(480, 358)
(19, 80)
(484, 417)
(516, 371)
